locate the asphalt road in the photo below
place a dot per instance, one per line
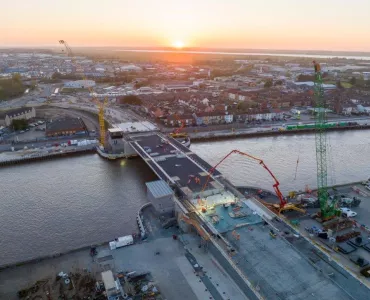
(39, 144)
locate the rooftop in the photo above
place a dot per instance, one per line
(159, 188)
(129, 127)
(18, 111)
(66, 123)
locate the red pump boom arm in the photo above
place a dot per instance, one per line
(260, 161)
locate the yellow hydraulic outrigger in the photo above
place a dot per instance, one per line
(197, 226)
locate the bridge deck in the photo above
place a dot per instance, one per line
(168, 159)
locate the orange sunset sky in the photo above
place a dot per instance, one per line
(263, 24)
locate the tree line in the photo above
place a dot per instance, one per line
(11, 87)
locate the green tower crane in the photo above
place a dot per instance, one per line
(328, 208)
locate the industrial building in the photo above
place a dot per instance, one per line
(79, 84)
(18, 114)
(161, 196)
(65, 126)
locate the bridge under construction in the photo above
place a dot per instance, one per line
(266, 257)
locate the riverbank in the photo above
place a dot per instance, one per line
(40, 156)
(252, 133)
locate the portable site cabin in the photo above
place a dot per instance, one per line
(121, 242)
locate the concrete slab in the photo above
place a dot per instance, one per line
(216, 274)
(194, 281)
(278, 270)
(226, 222)
(163, 267)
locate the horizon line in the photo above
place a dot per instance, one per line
(184, 49)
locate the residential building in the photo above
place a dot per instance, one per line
(229, 118)
(18, 114)
(198, 120)
(212, 118)
(178, 120)
(232, 94)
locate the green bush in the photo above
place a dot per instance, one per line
(19, 124)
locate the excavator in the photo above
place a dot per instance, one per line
(284, 205)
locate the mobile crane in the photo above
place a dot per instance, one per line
(177, 134)
(284, 205)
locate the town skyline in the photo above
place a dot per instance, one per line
(286, 25)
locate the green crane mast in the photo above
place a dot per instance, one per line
(328, 208)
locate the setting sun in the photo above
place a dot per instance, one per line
(178, 44)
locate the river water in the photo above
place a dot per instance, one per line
(348, 159)
(63, 204)
(247, 53)
(59, 205)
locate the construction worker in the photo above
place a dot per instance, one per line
(317, 66)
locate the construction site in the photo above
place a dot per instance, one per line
(305, 245)
(300, 246)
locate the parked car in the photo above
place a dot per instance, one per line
(147, 149)
(346, 212)
(310, 202)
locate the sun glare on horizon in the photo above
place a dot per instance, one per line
(178, 44)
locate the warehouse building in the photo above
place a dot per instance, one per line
(18, 114)
(66, 126)
(161, 196)
(79, 84)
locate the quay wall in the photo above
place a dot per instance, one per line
(48, 156)
(52, 255)
(219, 135)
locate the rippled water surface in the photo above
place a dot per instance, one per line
(58, 205)
(348, 159)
